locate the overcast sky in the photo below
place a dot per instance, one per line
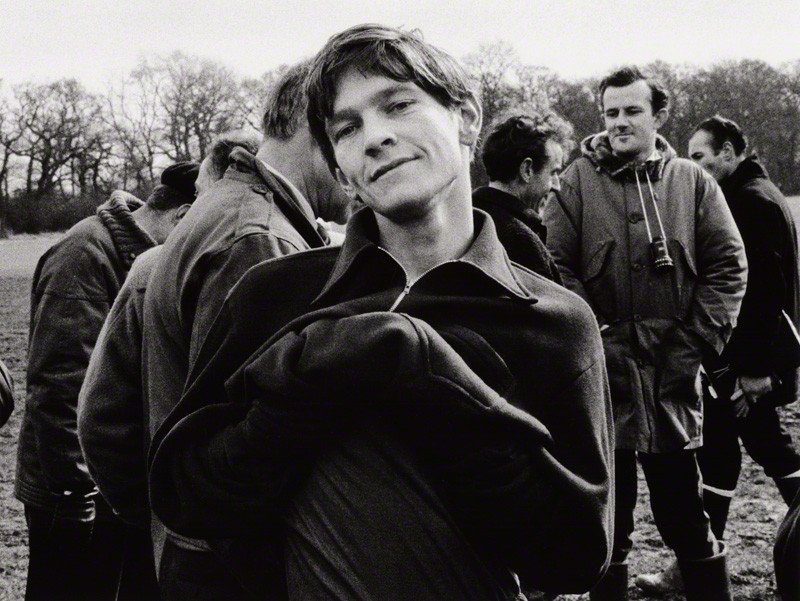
(98, 41)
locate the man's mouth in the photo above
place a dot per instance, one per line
(384, 169)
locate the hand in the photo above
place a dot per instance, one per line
(755, 387)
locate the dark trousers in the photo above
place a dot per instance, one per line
(185, 574)
(676, 499)
(99, 560)
(761, 432)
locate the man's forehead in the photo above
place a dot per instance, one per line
(637, 92)
(356, 87)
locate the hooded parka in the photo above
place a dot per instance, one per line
(656, 325)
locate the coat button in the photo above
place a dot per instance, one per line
(635, 217)
(637, 266)
(259, 189)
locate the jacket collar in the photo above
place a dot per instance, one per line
(597, 149)
(513, 204)
(263, 178)
(116, 215)
(749, 169)
(485, 257)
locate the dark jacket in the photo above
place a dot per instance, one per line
(74, 286)
(786, 553)
(656, 325)
(209, 476)
(248, 216)
(112, 427)
(6, 393)
(773, 282)
(520, 230)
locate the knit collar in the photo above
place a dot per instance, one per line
(129, 239)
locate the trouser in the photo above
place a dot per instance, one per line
(762, 434)
(186, 574)
(96, 560)
(675, 486)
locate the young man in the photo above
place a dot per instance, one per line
(523, 156)
(76, 542)
(264, 207)
(648, 240)
(408, 416)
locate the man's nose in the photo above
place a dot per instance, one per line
(378, 134)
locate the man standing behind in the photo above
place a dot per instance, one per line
(753, 376)
(523, 156)
(648, 240)
(76, 543)
(264, 207)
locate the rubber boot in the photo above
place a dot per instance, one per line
(668, 581)
(788, 487)
(716, 506)
(707, 579)
(613, 586)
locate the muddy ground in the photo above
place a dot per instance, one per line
(755, 514)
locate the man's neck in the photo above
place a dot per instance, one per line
(503, 187)
(282, 157)
(443, 234)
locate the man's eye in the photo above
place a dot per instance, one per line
(400, 105)
(343, 132)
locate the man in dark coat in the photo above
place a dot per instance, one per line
(77, 545)
(352, 438)
(647, 238)
(523, 156)
(752, 377)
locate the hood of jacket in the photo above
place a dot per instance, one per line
(597, 148)
(129, 239)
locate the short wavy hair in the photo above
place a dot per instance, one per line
(380, 50)
(285, 108)
(723, 130)
(518, 135)
(625, 76)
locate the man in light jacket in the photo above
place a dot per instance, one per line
(648, 240)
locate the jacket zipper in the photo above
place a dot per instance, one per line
(409, 283)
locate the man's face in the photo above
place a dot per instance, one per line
(397, 148)
(702, 153)
(629, 120)
(546, 178)
(204, 177)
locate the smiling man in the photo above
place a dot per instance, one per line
(407, 414)
(648, 240)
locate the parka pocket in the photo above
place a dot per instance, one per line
(598, 280)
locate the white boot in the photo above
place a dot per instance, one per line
(668, 581)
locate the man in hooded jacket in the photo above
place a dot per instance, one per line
(76, 542)
(648, 240)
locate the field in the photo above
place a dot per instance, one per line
(755, 514)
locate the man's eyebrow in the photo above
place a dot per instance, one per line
(381, 95)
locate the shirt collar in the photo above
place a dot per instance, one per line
(485, 255)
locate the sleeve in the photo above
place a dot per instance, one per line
(721, 267)
(65, 324)
(111, 421)
(767, 239)
(222, 273)
(6, 394)
(562, 218)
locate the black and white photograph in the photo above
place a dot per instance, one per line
(399, 301)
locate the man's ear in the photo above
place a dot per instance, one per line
(471, 117)
(182, 210)
(345, 184)
(661, 117)
(727, 150)
(526, 170)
